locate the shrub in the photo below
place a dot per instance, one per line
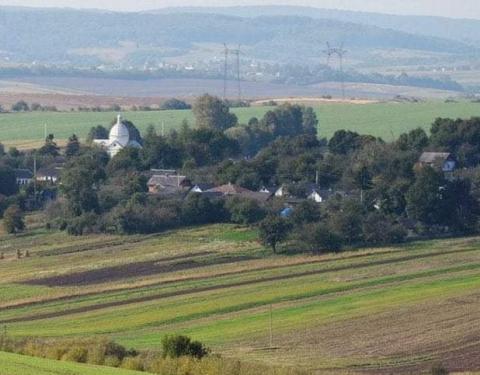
(76, 354)
(438, 369)
(244, 211)
(175, 346)
(133, 363)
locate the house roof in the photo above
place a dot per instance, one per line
(49, 172)
(166, 181)
(23, 174)
(229, 189)
(432, 157)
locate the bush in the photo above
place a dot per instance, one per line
(131, 363)
(76, 354)
(439, 370)
(321, 238)
(174, 103)
(177, 346)
(244, 211)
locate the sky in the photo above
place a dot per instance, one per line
(446, 8)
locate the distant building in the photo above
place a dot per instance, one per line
(118, 139)
(23, 176)
(268, 189)
(231, 190)
(201, 188)
(49, 174)
(168, 184)
(443, 161)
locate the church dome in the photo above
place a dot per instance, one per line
(119, 133)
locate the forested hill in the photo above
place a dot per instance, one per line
(464, 30)
(73, 36)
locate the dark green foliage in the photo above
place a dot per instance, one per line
(415, 139)
(306, 212)
(8, 182)
(126, 160)
(73, 146)
(212, 113)
(379, 229)
(198, 209)
(97, 132)
(173, 103)
(425, 198)
(460, 137)
(274, 230)
(20, 106)
(175, 346)
(244, 211)
(50, 147)
(319, 238)
(439, 369)
(13, 219)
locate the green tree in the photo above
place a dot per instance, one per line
(20, 106)
(97, 132)
(8, 181)
(13, 219)
(73, 146)
(273, 230)
(425, 198)
(212, 113)
(50, 147)
(244, 211)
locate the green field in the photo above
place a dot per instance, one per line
(14, 364)
(386, 309)
(387, 120)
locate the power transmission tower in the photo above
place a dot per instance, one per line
(236, 52)
(338, 52)
(225, 71)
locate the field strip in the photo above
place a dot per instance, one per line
(287, 268)
(293, 297)
(16, 364)
(253, 323)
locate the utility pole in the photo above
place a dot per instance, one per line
(35, 180)
(271, 327)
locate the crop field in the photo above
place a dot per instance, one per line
(387, 120)
(14, 364)
(385, 310)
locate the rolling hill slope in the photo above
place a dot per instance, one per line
(368, 310)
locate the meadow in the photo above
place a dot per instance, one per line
(387, 120)
(395, 309)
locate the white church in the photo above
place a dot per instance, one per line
(118, 138)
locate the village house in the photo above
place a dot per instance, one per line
(49, 174)
(443, 161)
(23, 176)
(168, 184)
(201, 188)
(231, 190)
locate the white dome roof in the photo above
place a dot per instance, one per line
(119, 133)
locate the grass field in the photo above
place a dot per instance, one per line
(396, 309)
(14, 364)
(387, 120)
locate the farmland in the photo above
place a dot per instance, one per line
(387, 120)
(394, 309)
(13, 364)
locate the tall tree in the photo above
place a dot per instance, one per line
(273, 230)
(212, 113)
(73, 146)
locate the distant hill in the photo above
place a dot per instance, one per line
(86, 37)
(464, 30)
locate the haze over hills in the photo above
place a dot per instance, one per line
(82, 37)
(464, 30)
